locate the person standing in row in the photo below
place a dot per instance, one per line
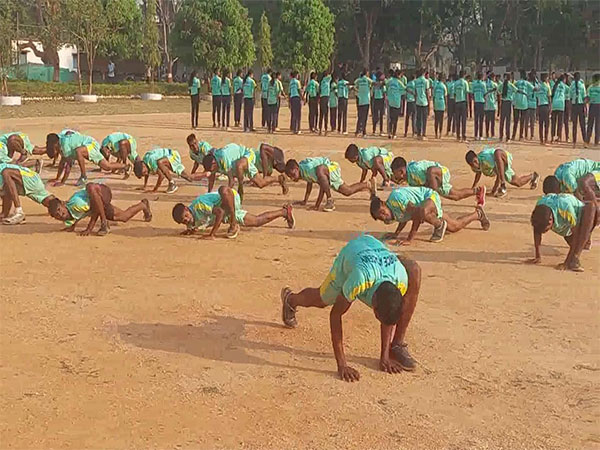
(422, 96)
(342, 91)
(238, 97)
(410, 106)
(225, 99)
(451, 102)
(479, 89)
(274, 93)
(440, 91)
(333, 102)
(394, 96)
(461, 92)
(507, 91)
(559, 93)
(593, 125)
(568, 106)
(490, 106)
(531, 105)
(312, 97)
(265, 79)
(543, 96)
(194, 89)
(295, 91)
(324, 91)
(215, 90)
(521, 105)
(249, 88)
(378, 103)
(363, 95)
(578, 95)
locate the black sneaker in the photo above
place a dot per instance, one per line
(401, 355)
(172, 187)
(104, 229)
(288, 314)
(329, 205)
(439, 232)
(535, 179)
(483, 218)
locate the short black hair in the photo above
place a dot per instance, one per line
(375, 206)
(551, 185)
(540, 217)
(53, 205)
(351, 151)
(208, 161)
(470, 156)
(291, 164)
(138, 166)
(398, 163)
(178, 211)
(190, 137)
(51, 141)
(389, 303)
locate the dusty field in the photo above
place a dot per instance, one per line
(148, 339)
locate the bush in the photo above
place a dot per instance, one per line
(127, 88)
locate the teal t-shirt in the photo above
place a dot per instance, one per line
(204, 149)
(273, 92)
(112, 141)
(26, 142)
(577, 91)
(558, 98)
(226, 86)
(265, 80)
(402, 196)
(325, 86)
(439, 97)
(294, 88)
(378, 91)
(201, 209)
(215, 86)
(333, 97)
(249, 87)
(410, 91)
(312, 88)
(421, 86)
(228, 155)
(520, 98)
(308, 167)
(510, 90)
(342, 87)
(194, 87)
(594, 94)
(366, 156)
(152, 157)
(450, 86)
(363, 90)
(394, 92)
(566, 212)
(531, 97)
(78, 206)
(568, 173)
(238, 84)
(70, 142)
(491, 98)
(543, 94)
(461, 89)
(479, 89)
(360, 268)
(416, 172)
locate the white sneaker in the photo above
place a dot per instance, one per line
(17, 218)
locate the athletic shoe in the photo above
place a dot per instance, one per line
(483, 218)
(501, 193)
(147, 211)
(329, 205)
(104, 229)
(222, 177)
(372, 183)
(481, 191)
(172, 187)
(39, 165)
(288, 314)
(345, 133)
(535, 179)
(289, 216)
(298, 132)
(17, 218)
(82, 181)
(284, 187)
(401, 355)
(439, 232)
(233, 231)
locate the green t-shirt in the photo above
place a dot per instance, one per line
(378, 90)
(238, 84)
(491, 98)
(342, 87)
(265, 80)
(410, 91)
(363, 90)
(78, 206)
(295, 88)
(249, 87)
(577, 91)
(394, 92)
(594, 94)
(510, 90)
(195, 86)
(333, 98)
(439, 97)
(402, 196)
(226, 87)
(450, 86)
(70, 142)
(324, 87)
(479, 89)
(543, 94)
(312, 88)
(421, 87)
(558, 97)
(566, 212)
(520, 98)
(461, 89)
(273, 92)
(215, 86)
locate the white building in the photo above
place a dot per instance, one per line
(67, 55)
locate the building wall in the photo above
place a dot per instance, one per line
(67, 55)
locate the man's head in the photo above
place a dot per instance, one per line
(472, 160)
(551, 185)
(380, 211)
(52, 145)
(209, 163)
(182, 214)
(399, 169)
(140, 169)
(351, 153)
(192, 142)
(292, 169)
(15, 144)
(58, 210)
(387, 303)
(541, 219)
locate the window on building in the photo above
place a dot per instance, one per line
(74, 65)
(23, 57)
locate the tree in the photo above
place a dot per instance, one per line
(150, 51)
(167, 11)
(306, 35)
(265, 53)
(8, 12)
(214, 33)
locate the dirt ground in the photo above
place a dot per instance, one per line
(149, 339)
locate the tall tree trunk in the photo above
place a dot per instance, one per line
(90, 58)
(79, 70)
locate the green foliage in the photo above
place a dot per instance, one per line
(305, 35)
(150, 50)
(214, 33)
(46, 89)
(265, 53)
(124, 20)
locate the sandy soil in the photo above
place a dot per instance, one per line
(148, 339)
